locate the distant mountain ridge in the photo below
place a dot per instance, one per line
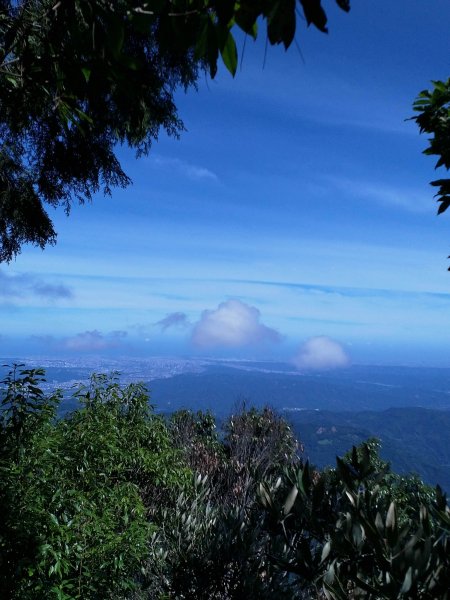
(413, 439)
(220, 386)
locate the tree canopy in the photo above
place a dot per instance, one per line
(433, 107)
(79, 78)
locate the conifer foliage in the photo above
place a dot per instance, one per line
(79, 78)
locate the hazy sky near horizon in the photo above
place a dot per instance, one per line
(293, 216)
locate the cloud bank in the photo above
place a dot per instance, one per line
(232, 324)
(18, 286)
(176, 319)
(320, 353)
(94, 341)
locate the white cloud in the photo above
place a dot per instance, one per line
(321, 352)
(232, 324)
(408, 199)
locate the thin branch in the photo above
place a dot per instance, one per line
(265, 51)
(143, 10)
(297, 45)
(9, 62)
(243, 52)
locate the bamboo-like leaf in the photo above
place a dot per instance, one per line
(325, 551)
(350, 497)
(391, 517)
(290, 500)
(407, 582)
(265, 496)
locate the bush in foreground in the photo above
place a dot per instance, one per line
(114, 501)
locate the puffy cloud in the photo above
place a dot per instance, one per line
(321, 352)
(233, 324)
(176, 319)
(94, 341)
(17, 286)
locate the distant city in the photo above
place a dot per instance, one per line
(407, 409)
(358, 387)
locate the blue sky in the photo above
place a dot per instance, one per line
(295, 207)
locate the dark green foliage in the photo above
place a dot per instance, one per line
(24, 407)
(433, 107)
(78, 78)
(112, 501)
(259, 443)
(218, 532)
(359, 532)
(412, 439)
(195, 434)
(75, 494)
(25, 421)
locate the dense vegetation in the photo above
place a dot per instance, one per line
(114, 501)
(413, 438)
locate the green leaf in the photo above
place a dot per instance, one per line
(351, 497)
(366, 466)
(13, 80)
(343, 471)
(344, 4)
(207, 46)
(281, 23)
(391, 517)
(264, 495)
(314, 14)
(379, 524)
(407, 582)
(325, 551)
(229, 54)
(440, 86)
(247, 22)
(444, 204)
(306, 479)
(86, 73)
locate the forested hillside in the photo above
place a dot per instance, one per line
(412, 438)
(115, 501)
